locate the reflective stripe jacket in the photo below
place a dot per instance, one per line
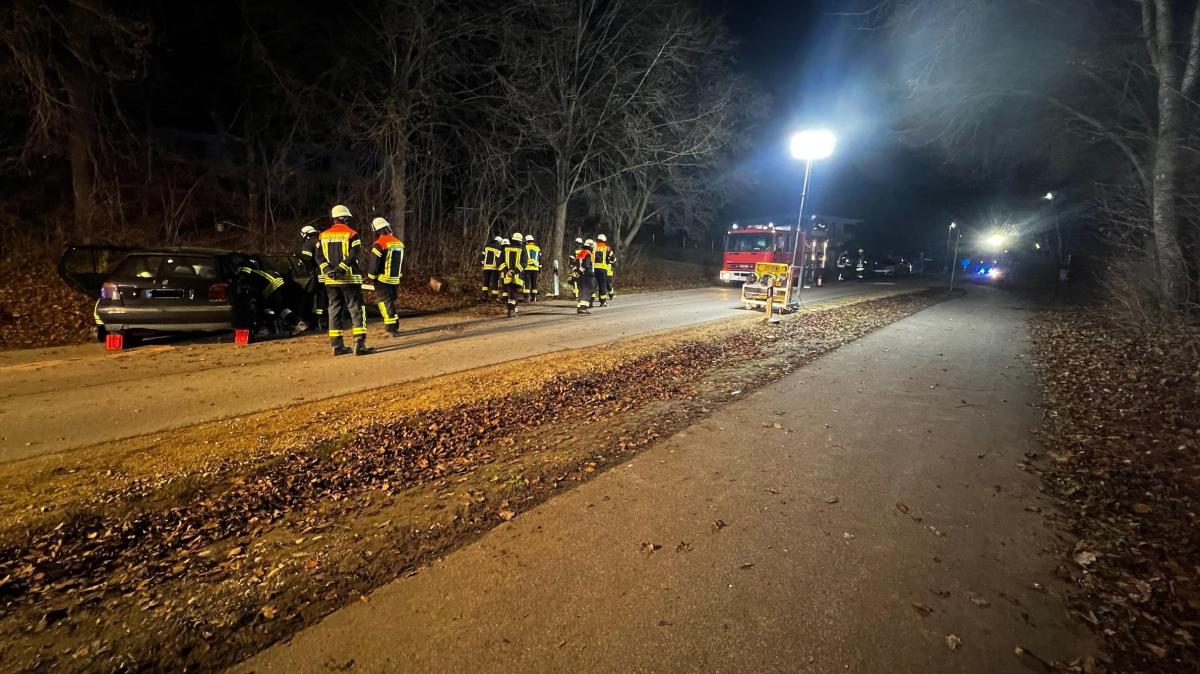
(513, 259)
(309, 252)
(387, 259)
(602, 256)
(490, 258)
(263, 281)
(337, 256)
(533, 257)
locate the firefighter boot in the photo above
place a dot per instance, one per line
(512, 309)
(339, 347)
(360, 346)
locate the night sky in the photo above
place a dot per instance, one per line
(823, 67)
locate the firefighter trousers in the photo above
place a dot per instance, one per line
(347, 314)
(491, 284)
(586, 285)
(319, 302)
(387, 293)
(602, 285)
(531, 280)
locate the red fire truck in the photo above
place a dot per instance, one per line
(746, 245)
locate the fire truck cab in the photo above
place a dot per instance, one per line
(747, 245)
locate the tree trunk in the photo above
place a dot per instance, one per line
(1172, 275)
(639, 218)
(398, 172)
(559, 235)
(79, 155)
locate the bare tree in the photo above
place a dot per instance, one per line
(66, 55)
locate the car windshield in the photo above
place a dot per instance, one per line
(168, 267)
(749, 243)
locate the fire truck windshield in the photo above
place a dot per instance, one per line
(749, 242)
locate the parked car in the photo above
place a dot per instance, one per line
(169, 290)
(891, 267)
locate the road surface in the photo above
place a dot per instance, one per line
(884, 527)
(59, 399)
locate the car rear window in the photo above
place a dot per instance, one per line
(168, 267)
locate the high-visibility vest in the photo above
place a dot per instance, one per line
(601, 256)
(389, 259)
(534, 257)
(490, 258)
(337, 256)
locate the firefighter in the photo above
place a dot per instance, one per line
(337, 260)
(490, 261)
(313, 286)
(575, 254)
(533, 265)
(386, 265)
(583, 274)
(260, 291)
(601, 256)
(512, 271)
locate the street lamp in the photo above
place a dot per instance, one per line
(1057, 227)
(808, 146)
(995, 241)
(948, 262)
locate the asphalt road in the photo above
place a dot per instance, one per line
(885, 526)
(59, 399)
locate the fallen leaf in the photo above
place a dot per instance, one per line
(506, 515)
(953, 641)
(267, 612)
(832, 499)
(922, 609)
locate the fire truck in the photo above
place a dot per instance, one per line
(748, 245)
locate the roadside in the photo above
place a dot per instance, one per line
(866, 513)
(58, 399)
(1123, 441)
(194, 548)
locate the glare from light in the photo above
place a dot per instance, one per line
(1049, 196)
(953, 225)
(994, 241)
(812, 144)
(1037, 246)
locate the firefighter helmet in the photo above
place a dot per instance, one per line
(497, 239)
(517, 237)
(308, 230)
(379, 223)
(504, 242)
(579, 240)
(528, 238)
(601, 237)
(589, 243)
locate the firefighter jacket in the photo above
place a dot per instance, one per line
(387, 260)
(263, 282)
(533, 257)
(337, 256)
(583, 264)
(490, 258)
(602, 256)
(512, 263)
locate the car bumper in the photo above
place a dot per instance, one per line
(117, 318)
(736, 276)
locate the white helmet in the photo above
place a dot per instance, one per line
(379, 223)
(517, 237)
(579, 240)
(601, 237)
(528, 238)
(308, 230)
(504, 242)
(340, 211)
(498, 239)
(589, 243)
